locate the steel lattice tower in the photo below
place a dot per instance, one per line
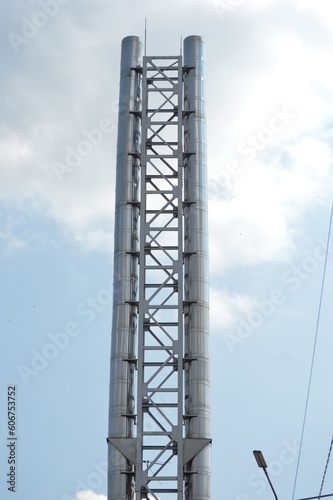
(159, 418)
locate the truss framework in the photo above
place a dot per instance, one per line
(160, 337)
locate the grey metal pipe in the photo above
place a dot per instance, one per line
(125, 276)
(197, 372)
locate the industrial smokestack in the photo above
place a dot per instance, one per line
(197, 373)
(125, 274)
(159, 418)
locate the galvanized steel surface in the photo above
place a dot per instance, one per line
(160, 343)
(197, 373)
(121, 400)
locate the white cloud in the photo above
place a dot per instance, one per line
(323, 9)
(82, 203)
(11, 242)
(226, 309)
(253, 226)
(254, 217)
(261, 4)
(50, 113)
(256, 221)
(89, 495)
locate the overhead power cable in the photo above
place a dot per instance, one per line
(327, 462)
(313, 350)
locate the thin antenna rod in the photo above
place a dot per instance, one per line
(181, 46)
(145, 36)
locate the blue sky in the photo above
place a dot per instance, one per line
(270, 116)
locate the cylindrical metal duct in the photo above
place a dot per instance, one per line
(125, 276)
(197, 372)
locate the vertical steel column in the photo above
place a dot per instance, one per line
(197, 371)
(125, 308)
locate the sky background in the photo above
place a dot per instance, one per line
(270, 131)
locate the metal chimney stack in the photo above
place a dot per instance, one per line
(159, 415)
